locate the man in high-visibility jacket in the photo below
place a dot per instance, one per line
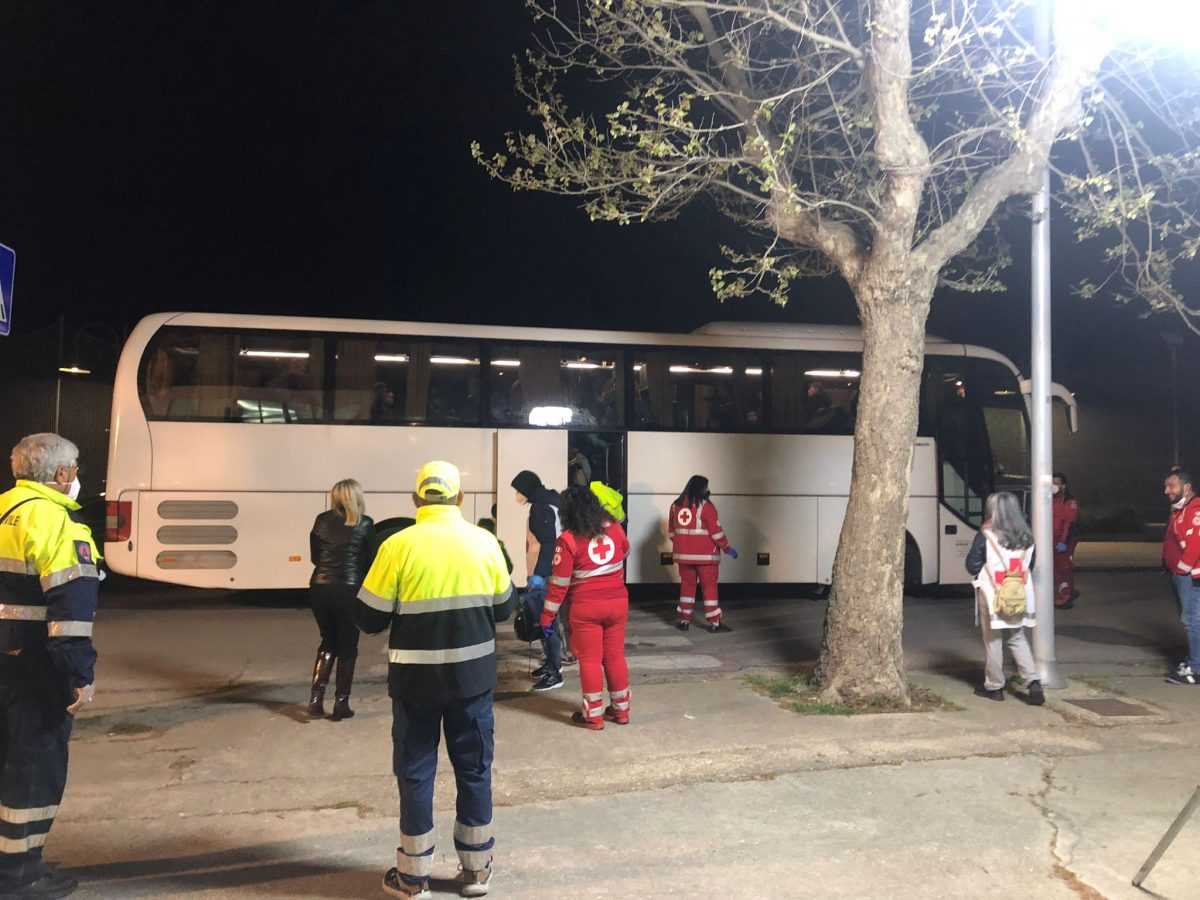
(441, 584)
(48, 592)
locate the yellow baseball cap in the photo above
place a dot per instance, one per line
(438, 478)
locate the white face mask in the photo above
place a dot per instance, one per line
(1054, 489)
(1181, 502)
(73, 490)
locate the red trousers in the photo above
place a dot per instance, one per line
(598, 639)
(1064, 577)
(707, 576)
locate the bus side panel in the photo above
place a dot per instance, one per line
(955, 537)
(226, 456)
(782, 529)
(227, 539)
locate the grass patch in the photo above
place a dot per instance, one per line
(801, 694)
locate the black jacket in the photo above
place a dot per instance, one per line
(544, 526)
(341, 553)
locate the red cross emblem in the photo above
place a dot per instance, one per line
(602, 549)
(685, 517)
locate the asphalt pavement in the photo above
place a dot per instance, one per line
(196, 773)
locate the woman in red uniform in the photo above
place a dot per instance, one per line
(589, 571)
(697, 542)
(1066, 511)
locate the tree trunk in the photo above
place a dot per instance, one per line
(862, 658)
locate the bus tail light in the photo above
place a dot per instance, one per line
(118, 524)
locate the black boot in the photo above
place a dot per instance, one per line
(320, 677)
(345, 678)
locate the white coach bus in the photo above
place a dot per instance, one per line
(228, 431)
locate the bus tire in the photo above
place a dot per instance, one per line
(913, 579)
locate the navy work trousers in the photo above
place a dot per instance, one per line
(470, 743)
(34, 732)
(535, 599)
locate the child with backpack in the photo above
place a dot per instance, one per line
(1001, 562)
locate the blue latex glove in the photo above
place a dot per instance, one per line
(548, 631)
(732, 552)
(1061, 548)
(537, 582)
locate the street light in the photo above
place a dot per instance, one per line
(1084, 20)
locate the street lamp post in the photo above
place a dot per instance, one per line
(1041, 401)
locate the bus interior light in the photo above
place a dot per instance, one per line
(833, 373)
(74, 370)
(391, 357)
(275, 354)
(753, 370)
(696, 370)
(550, 416)
(453, 361)
(585, 364)
(507, 363)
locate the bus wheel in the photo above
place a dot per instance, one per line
(912, 565)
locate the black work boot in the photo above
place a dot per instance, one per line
(341, 701)
(320, 677)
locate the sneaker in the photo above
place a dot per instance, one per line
(620, 717)
(475, 881)
(717, 627)
(1188, 678)
(395, 886)
(49, 886)
(683, 626)
(1183, 669)
(539, 672)
(997, 694)
(1036, 696)
(569, 660)
(578, 718)
(549, 682)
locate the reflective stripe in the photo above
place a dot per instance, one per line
(619, 695)
(444, 604)
(691, 531)
(416, 844)
(61, 577)
(561, 581)
(551, 606)
(621, 705)
(1182, 566)
(709, 604)
(475, 860)
(712, 613)
(414, 866)
(472, 834)
(17, 566)
(70, 629)
(22, 845)
(437, 657)
(18, 613)
(718, 535)
(376, 602)
(600, 570)
(15, 816)
(697, 557)
(595, 698)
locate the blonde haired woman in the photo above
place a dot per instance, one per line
(341, 547)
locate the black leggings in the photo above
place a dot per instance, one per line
(333, 608)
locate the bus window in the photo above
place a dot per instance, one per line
(698, 390)
(392, 381)
(981, 432)
(546, 384)
(241, 376)
(815, 393)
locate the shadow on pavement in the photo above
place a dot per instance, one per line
(243, 868)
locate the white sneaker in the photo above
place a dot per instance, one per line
(1183, 669)
(475, 881)
(395, 886)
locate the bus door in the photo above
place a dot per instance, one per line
(543, 451)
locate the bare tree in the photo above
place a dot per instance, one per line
(875, 140)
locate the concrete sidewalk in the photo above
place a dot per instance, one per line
(198, 775)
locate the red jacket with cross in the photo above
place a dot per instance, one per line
(697, 537)
(586, 569)
(1181, 541)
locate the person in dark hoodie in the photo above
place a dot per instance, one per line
(544, 528)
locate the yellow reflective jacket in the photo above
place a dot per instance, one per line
(49, 583)
(442, 585)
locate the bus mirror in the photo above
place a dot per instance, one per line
(1060, 393)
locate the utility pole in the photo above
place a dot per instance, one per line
(1041, 401)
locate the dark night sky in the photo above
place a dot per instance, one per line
(313, 158)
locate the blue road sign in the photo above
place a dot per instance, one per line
(8, 265)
